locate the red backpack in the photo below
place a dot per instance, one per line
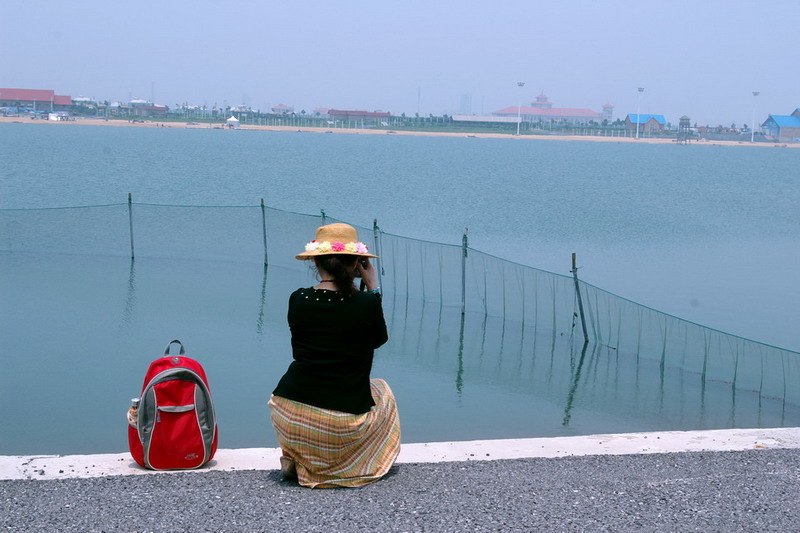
(174, 426)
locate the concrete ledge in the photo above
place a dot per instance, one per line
(45, 467)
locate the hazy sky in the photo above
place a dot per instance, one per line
(697, 57)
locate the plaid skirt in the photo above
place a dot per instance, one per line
(336, 449)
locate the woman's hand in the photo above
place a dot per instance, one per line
(367, 273)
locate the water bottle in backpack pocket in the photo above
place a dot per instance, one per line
(173, 425)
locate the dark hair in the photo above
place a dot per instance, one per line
(339, 266)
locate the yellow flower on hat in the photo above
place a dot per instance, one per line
(324, 247)
(351, 247)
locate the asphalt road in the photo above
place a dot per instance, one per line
(754, 490)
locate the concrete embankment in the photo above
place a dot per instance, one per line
(730, 480)
(45, 467)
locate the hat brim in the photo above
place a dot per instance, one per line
(305, 256)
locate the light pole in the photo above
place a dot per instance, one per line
(520, 84)
(641, 90)
(753, 126)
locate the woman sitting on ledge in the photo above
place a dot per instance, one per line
(336, 427)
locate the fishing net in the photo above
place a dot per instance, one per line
(430, 280)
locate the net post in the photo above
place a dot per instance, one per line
(580, 301)
(376, 236)
(264, 231)
(130, 221)
(324, 217)
(464, 247)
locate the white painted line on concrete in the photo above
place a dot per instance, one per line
(45, 467)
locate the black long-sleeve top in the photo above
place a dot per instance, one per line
(333, 342)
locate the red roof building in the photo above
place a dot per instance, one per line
(62, 100)
(42, 99)
(542, 110)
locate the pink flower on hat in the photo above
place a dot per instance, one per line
(335, 238)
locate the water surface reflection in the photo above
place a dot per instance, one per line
(456, 377)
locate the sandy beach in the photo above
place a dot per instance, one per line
(80, 121)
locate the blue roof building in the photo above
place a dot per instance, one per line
(647, 123)
(784, 121)
(786, 128)
(644, 119)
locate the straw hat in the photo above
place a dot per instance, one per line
(335, 239)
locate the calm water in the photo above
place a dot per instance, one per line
(706, 233)
(710, 234)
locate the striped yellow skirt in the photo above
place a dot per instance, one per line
(336, 449)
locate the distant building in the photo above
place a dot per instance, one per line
(119, 109)
(482, 119)
(542, 110)
(608, 112)
(281, 109)
(647, 123)
(321, 112)
(83, 100)
(35, 99)
(85, 105)
(785, 128)
(144, 108)
(136, 107)
(354, 115)
(150, 110)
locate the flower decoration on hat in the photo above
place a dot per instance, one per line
(337, 238)
(337, 247)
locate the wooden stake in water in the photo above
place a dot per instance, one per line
(324, 217)
(264, 231)
(376, 239)
(464, 246)
(130, 220)
(580, 302)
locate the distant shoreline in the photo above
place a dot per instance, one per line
(355, 131)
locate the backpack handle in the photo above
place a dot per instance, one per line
(181, 352)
